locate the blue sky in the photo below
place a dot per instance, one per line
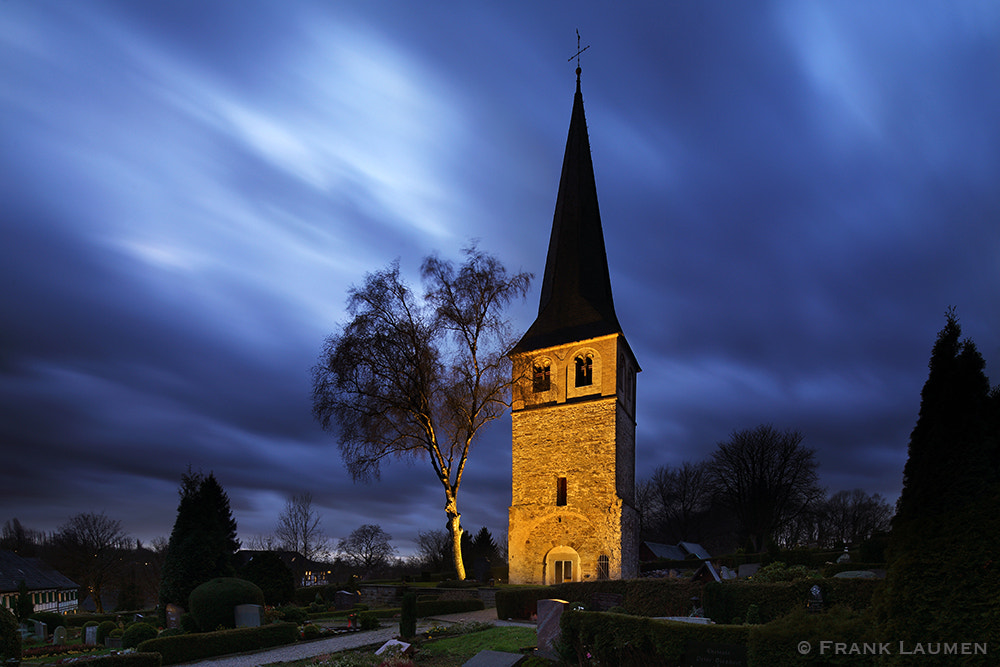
(792, 195)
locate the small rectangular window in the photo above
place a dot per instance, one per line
(561, 491)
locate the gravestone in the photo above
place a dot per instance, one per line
(495, 659)
(345, 599)
(815, 602)
(59, 635)
(402, 647)
(844, 557)
(41, 630)
(247, 615)
(174, 613)
(547, 628)
(701, 654)
(90, 635)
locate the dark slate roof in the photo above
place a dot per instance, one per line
(576, 301)
(36, 574)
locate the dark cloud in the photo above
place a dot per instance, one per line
(792, 196)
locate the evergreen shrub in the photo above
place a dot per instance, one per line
(10, 638)
(732, 599)
(293, 614)
(137, 633)
(408, 616)
(188, 648)
(368, 620)
(49, 618)
(268, 571)
(310, 631)
(104, 630)
(213, 602)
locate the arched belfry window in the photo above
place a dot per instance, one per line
(584, 370)
(541, 376)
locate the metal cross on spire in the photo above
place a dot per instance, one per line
(577, 54)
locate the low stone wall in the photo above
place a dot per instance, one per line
(390, 595)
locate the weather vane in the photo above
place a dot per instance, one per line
(578, 52)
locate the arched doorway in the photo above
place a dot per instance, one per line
(562, 564)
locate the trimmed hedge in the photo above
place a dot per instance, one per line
(728, 600)
(777, 643)
(187, 648)
(124, 660)
(438, 607)
(618, 639)
(642, 597)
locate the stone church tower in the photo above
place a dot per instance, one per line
(572, 513)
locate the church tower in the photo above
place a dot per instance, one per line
(572, 514)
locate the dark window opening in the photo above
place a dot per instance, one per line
(584, 371)
(541, 379)
(564, 571)
(561, 491)
(603, 569)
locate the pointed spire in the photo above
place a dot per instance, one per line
(576, 301)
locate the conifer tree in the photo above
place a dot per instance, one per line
(944, 570)
(202, 542)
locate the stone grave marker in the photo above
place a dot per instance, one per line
(701, 654)
(90, 635)
(345, 599)
(247, 615)
(174, 615)
(547, 628)
(59, 635)
(41, 630)
(402, 647)
(495, 659)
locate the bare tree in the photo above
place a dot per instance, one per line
(420, 377)
(850, 517)
(766, 478)
(434, 550)
(298, 527)
(675, 501)
(263, 543)
(89, 550)
(367, 548)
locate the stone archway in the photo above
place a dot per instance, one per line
(562, 564)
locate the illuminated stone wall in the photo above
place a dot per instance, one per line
(587, 436)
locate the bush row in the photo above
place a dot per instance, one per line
(618, 639)
(437, 607)
(642, 597)
(186, 648)
(724, 602)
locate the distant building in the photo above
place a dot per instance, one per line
(650, 551)
(307, 572)
(572, 514)
(49, 590)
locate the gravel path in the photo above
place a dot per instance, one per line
(301, 650)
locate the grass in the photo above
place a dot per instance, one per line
(457, 650)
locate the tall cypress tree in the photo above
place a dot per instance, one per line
(944, 570)
(202, 542)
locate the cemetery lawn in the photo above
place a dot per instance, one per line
(449, 651)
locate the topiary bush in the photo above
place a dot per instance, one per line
(10, 638)
(293, 614)
(213, 602)
(368, 620)
(408, 616)
(104, 629)
(136, 634)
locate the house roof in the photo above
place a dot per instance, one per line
(679, 552)
(36, 574)
(576, 302)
